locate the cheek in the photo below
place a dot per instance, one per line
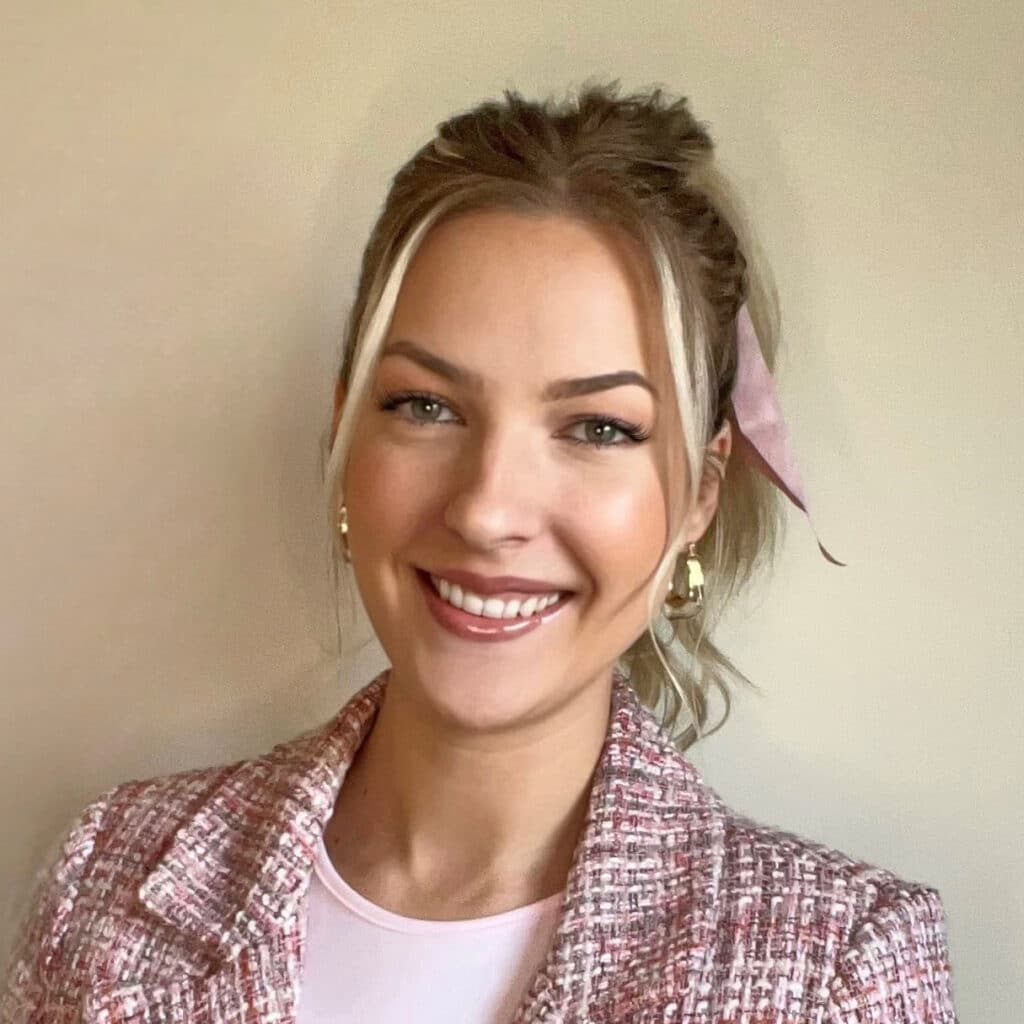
(376, 513)
(621, 531)
(388, 492)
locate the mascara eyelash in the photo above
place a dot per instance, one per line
(397, 398)
(633, 431)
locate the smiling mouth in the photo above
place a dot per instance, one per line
(514, 606)
(489, 618)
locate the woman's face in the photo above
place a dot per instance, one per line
(512, 430)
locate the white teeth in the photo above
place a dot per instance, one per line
(491, 607)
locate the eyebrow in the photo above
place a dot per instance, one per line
(569, 387)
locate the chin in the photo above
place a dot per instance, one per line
(478, 693)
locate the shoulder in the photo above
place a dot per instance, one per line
(785, 870)
(864, 942)
(109, 889)
(140, 814)
(761, 919)
(90, 870)
(133, 821)
(130, 823)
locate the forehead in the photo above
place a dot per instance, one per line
(521, 295)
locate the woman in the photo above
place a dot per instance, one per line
(553, 411)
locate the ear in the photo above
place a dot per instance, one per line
(706, 504)
(339, 405)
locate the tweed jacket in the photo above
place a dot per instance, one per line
(181, 899)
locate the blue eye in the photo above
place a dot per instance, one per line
(424, 408)
(599, 432)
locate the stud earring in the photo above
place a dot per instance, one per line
(343, 530)
(678, 606)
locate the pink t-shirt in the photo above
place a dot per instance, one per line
(368, 965)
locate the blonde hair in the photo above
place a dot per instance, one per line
(644, 164)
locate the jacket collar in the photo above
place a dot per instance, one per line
(645, 871)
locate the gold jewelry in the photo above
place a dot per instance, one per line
(679, 607)
(343, 530)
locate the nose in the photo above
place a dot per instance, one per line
(497, 494)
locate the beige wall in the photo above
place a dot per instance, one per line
(186, 188)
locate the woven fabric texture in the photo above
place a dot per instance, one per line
(181, 900)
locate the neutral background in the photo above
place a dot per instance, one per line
(186, 188)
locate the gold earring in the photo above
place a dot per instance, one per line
(343, 530)
(690, 606)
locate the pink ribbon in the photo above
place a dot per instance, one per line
(762, 438)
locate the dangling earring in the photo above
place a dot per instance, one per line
(690, 606)
(343, 530)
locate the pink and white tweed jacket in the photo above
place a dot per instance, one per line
(182, 899)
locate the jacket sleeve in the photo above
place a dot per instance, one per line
(43, 917)
(896, 969)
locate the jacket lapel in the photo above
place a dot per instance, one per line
(239, 868)
(642, 893)
(232, 882)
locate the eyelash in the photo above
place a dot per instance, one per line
(633, 431)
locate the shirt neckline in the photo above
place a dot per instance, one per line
(382, 918)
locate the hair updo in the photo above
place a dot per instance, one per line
(641, 163)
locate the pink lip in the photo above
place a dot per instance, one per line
(476, 627)
(489, 585)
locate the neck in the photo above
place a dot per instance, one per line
(434, 821)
